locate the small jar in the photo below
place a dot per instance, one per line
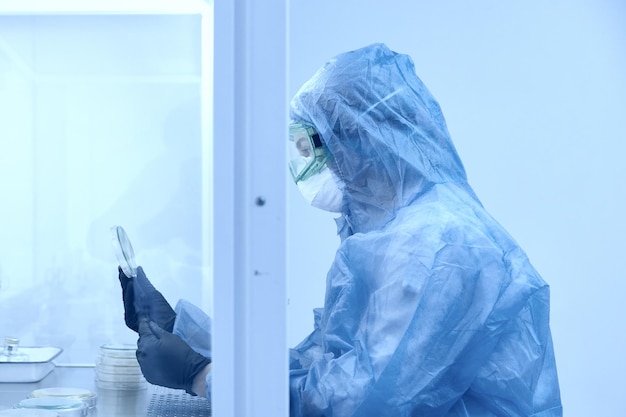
(11, 352)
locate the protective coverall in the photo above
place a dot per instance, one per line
(431, 307)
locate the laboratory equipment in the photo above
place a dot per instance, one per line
(65, 407)
(23, 412)
(87, 397)
(25, 364)
(11, 350)
(117, 368)
(124, 251)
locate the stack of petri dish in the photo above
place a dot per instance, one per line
(117, 368)
(84, 395)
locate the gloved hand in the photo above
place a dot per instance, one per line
(165, 359)
(142, 300)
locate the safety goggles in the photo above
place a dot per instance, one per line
(307, 155)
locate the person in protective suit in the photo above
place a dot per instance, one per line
(431, 307)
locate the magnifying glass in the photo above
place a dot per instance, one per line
(124, 251)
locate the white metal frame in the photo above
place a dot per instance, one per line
(103, 6)
(250, 116)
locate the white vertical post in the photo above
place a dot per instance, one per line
(249, 204)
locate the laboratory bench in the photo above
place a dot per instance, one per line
(153, 401)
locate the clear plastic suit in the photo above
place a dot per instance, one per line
(431, 308)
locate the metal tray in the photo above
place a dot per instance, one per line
(33, 368)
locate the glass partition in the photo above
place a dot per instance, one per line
(105, 119)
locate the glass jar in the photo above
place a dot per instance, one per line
(11, 352)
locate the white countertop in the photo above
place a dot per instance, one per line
(153, 401)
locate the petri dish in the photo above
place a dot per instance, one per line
(119, 381)
(86, 396)
(21, 412)
(119, 351)
(124, 251)
(121, 386)
(119, 377)
(66, 407)
(114, 361)
(119, 369)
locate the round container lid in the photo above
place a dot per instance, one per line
(119, 351)
(61, 392)
(121, 386)
(117, 377)
(113, 369)
(52, 403)
(124, 251)
(86, 396)
(8, 340)
(113, 361)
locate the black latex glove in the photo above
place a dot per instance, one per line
(142, 300)
(165, 359)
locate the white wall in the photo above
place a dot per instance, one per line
(534, 94)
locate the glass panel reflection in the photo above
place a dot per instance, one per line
(100, 124)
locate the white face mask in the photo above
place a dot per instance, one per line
(322, 191)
